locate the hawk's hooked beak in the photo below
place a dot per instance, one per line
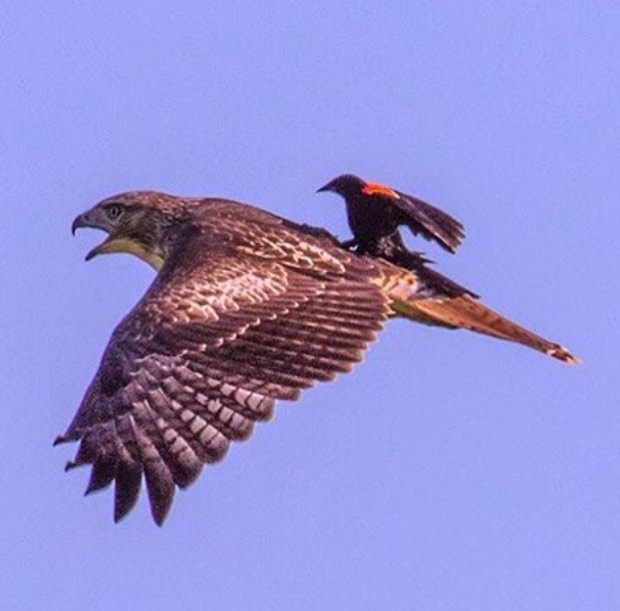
(78, 222)
(83, 220)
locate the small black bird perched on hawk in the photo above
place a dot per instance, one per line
(246, 308)
(375, 211)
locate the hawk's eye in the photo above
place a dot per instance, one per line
(114, 212)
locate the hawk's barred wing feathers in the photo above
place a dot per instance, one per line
(205, 353)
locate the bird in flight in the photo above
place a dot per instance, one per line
(246, 308)
(376, 211)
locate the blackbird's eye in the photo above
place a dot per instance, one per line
(114, 212)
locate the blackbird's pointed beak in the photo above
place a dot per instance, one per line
(326, 187)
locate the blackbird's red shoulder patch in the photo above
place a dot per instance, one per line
(374, 188)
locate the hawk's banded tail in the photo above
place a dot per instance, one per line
(465, 312)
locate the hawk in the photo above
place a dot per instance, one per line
(246, 308)
(375, 211)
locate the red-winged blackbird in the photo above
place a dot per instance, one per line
(375, 211)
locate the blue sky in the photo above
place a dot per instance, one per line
(449, 471)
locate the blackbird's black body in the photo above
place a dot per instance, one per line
(375, 211)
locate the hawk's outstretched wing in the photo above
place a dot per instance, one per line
(202, 357)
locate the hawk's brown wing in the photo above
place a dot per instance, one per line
(204, 355)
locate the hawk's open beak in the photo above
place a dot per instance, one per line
(83, 221)
(99, 250)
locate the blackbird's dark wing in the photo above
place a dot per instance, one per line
(431, 222)
(204, 355)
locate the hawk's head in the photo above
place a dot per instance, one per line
(135, 222)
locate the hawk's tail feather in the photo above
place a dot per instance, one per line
(466, 313)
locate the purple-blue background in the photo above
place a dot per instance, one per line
(448, 472)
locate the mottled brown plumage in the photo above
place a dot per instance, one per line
(246, 308)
